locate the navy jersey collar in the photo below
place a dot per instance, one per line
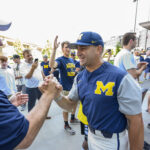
(98, 70)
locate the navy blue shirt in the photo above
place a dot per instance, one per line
(56, 74)
(67, 72)
(98, 93)
(46, 68)
(13, 125)
(141, 58)
(148, 60)
(77, 64)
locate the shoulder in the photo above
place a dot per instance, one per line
(59, 58)
(113, 70)
(71, 60)
(80, 74)
(42, 63)
(2, 96)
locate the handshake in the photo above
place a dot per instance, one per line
(51, 86)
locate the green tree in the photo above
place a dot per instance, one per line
(18, 48)
(47, 50)
(118, 48)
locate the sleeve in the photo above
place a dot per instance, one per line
(73, 94)
(58, 60)
(78, 64)
(129, 62)
(129, 96)
(13, 125)
(141, 58)
(41, 64)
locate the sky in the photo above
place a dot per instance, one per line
(39, 20)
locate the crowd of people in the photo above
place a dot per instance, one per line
(110, 96)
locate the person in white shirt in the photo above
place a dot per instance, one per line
(125, 59)
(9, 87)
(31, 72)
(19, 80)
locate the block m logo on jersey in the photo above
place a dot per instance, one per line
(108, 88)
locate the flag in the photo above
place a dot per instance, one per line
(4, 25)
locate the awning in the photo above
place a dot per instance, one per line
(145, 25)
(4, 25)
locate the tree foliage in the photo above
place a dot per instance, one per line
(18, 47)
(47, 50)
(118, 48)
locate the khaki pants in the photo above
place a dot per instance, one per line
(65, 93)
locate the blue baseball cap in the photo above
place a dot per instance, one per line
(87, 39)
(4, 25)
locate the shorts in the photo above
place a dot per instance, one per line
(65, 93)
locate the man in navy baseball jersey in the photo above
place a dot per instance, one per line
(110, 98)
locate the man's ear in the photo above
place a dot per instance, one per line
(100, 49)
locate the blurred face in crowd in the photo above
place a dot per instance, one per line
(66, 50)
(137, 53)
(28, 57)
(73, 56)
(148, 53)
(89, 55)
(16, 60)
(3, 64)
(45, 59)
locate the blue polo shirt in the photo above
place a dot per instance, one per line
(46, 68)
(67, 72)
(107, 94)
(13, 125)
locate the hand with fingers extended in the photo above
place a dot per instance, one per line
(56, 43)
(19, 99)
(51, 86)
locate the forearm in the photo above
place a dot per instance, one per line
(19, 77)
(135, 73)
(103, 55)
(139, 72)
(52, 59)
(136, 135)
(29, 75)
(36, 119)
(108, 59)
(66, 103)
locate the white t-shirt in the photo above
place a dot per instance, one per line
(36, 78)
(125, 60)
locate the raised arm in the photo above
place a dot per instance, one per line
(52, 62)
